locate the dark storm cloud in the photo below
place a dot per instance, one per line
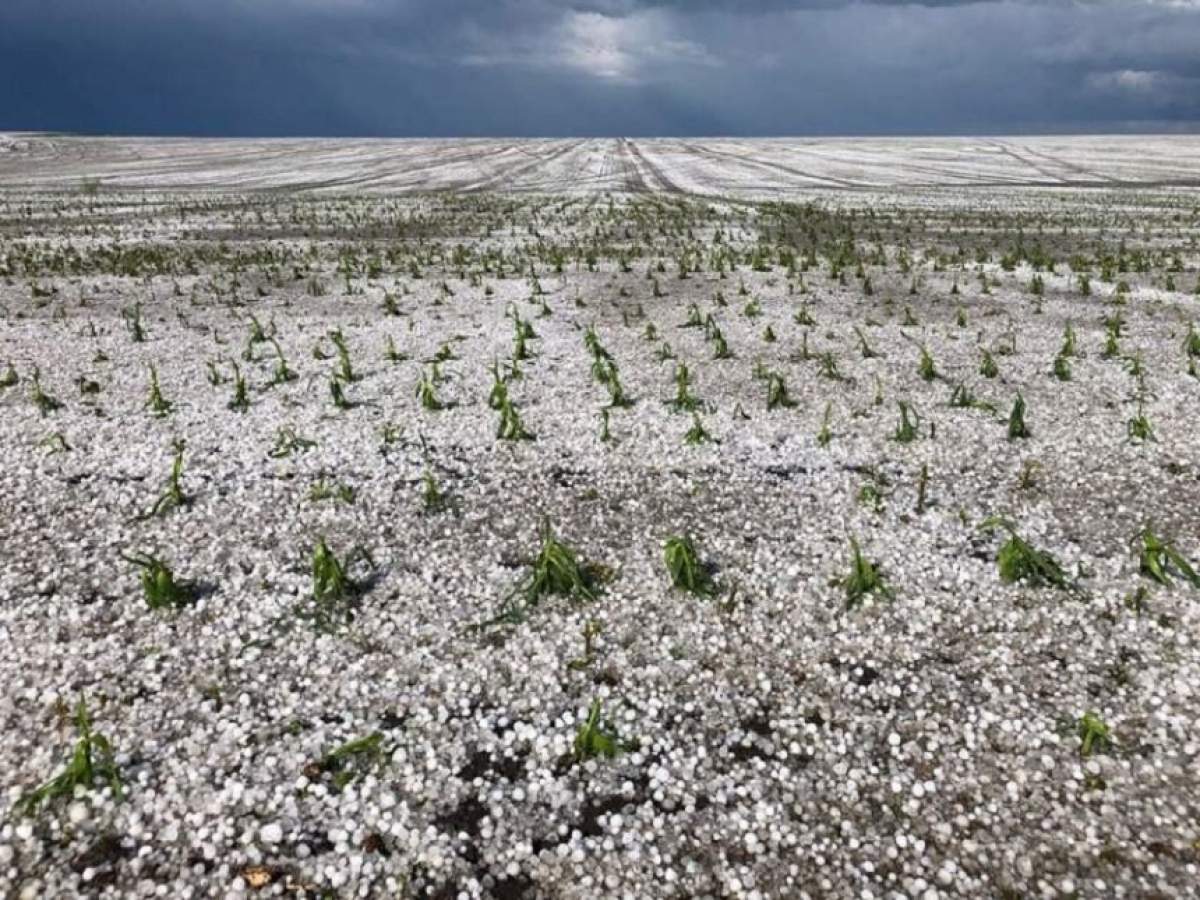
(536, 67)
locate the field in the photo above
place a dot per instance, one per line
(764, 169)
(585, 518)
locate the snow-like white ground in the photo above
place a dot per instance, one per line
(741, 167)
(955, 735)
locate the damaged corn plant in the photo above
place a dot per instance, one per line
(555, 572)
(92, 761)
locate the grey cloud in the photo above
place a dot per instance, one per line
(596, 66)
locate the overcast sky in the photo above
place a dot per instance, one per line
(598, 67)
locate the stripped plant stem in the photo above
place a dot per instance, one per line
(511, 427)
(925, 367)
(133, 321)
(1016, 420)
(591, 629)
(825, 435)
(173, 496)
(987, 366)
(427, 395)
(156, 403)
(595, 738)
(43, 401)
(241, 399)
(697, 434)
(282, 374)
(684, 400)
(863, 579)
(684, 566)
(433, 498)
(777, 393)
(906, 432)
(345, 371)
(338, 394)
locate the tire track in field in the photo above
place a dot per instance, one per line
(539, 160)
(631, 175)
(569, 171)
(1010, 153)
(442, 158)
(662, 184)
(1037, 161)
(829, 180)
(1069, 166)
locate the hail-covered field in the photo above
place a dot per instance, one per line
(599, 542)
